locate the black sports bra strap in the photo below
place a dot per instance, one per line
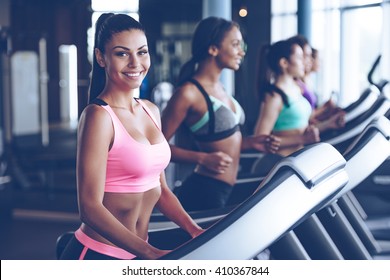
(98, 101)
(281, 92)
(209, 105)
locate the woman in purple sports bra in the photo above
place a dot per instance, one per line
(122, 153)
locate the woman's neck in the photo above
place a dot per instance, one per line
(286, 83)
(208, 72)
(118, 99)
(285, 80)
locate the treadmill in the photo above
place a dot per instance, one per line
(371, 199)
(343, 137)
(296, 187)
(340, 232)
(249, 228)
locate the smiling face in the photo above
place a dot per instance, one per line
(126, 59)
(231, 50)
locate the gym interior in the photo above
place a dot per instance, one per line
(338, 209)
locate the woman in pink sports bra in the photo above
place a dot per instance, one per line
(121, 153)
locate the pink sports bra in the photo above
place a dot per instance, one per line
(133, 167)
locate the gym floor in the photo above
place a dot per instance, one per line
(32, 235)
(42, 197)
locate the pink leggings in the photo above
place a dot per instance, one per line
(100, 247)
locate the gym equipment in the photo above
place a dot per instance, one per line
(339, 225)
(295, 188)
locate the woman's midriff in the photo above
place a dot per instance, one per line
(133, 210)
(230, 146)
(286, 151)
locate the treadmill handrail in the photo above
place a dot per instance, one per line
(281, 176)
(380, 124)
(355, 127)
(372, 70)
(363, 104)
(374, 142)
(309, 174)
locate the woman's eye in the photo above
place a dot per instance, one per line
(143, 52)
(121, 54)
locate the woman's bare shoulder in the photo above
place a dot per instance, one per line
(187, 92)
(94, 116)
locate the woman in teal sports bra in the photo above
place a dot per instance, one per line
(284, 111)
(212, 116)
(121, 153)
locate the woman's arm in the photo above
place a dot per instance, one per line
(263, 143)
(325, 111)
(179, 107)
(335, 121)
(308, 136)
(173, 116)
(95, 135)
(268, 114)
(170, 206)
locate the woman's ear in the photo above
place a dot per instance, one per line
(283, 63)
(99, 58)
(213, 50)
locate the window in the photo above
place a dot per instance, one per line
(326, 39)
(113, 6)
(284, 19)
(360, 46)
(349, 35)
(99, 7)
(283, 27)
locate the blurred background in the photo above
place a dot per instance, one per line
(45, 63)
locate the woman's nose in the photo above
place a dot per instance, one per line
(133, 61)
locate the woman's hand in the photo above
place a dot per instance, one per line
(264, 143)
(217, 162)
(272, 143)
(158, 253)
(311, 135)
(337, 120)
(197, 232)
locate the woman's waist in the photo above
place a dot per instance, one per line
(231, 143)
(126, 205)
(94, 241)
(229, 176)
(131, 213)
(91, 233)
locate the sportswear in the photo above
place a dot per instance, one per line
(309, 95)
(133, 167)
(199, 192)
(219, 121)
(295, 113)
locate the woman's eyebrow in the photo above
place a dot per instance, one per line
(127, 49)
